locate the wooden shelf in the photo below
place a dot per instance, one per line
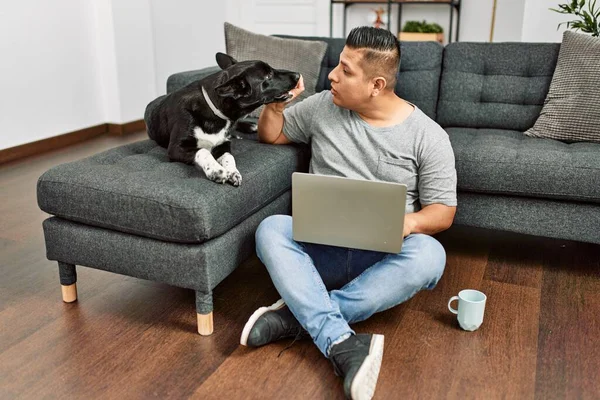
(454, 6)
(391, 1)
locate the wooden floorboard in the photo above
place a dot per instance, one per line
(129, 338)
(569, 351)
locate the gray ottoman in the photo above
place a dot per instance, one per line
(130, 211)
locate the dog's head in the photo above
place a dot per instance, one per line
(250, 84)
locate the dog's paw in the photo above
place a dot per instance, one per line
(219, 175)
(252, 127)
(235, 178)
(246, 127)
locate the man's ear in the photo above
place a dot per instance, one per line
(235, 88)
(379, 85)
(224, 60)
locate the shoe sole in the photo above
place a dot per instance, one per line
(365, 380)
(248, 327)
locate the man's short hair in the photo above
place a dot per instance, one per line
(381, 56)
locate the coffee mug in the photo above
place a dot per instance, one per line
(471, 305)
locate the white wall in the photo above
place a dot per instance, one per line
(297, 17)
(135, 58)
(475, 19)
(68, 65)
(106, 60)
(49, 71)
(509, 21)
(540, 24)
(187, 35)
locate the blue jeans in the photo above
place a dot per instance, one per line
(328, 287)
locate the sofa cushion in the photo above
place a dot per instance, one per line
(420, 69)
(291, 54)
(572, 108)
(182, 79)
(508, 162)
(135, 189)
(495, 85)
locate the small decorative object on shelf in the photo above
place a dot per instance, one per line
(377, 16)
(422, 32)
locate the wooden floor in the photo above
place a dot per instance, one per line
(133, 339)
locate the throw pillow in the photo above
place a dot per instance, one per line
(303, 56)
(571, 111)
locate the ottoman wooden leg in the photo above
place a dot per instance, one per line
(205, 324)
(204, 309)
(69, 293)
(68, 279)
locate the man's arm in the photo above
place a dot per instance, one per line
(270, 124)
(437, 188)
(430, 219)
(270, 121)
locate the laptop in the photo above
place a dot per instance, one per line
(345, 212)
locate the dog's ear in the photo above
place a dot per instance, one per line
(235, 88)
(224, 60)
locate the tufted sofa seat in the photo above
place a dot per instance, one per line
(136, 189)
(501, 161)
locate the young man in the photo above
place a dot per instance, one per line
(359, 129)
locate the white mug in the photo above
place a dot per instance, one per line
(471, 305)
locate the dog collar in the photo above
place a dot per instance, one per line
(212, 106)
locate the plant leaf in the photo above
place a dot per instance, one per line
(588, 20)
(565, 8)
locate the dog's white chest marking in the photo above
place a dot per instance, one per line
(210, 140)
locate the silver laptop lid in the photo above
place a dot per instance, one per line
(354, 213)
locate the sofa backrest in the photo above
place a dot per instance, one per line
(420, 69)
(495, 85)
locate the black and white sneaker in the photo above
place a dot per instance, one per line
(358, 360)
(269, 324)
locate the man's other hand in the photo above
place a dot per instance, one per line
(409, 224)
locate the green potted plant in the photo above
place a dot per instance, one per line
(421, 31)
(589, 20)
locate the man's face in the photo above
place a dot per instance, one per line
(349, 84)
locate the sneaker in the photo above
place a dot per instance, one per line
(358, 360)
(268, 324)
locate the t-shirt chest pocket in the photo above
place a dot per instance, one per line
(397, 170)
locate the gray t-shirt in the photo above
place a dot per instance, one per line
(416, 152)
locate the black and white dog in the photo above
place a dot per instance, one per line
(195, 122)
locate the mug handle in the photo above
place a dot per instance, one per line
(452, 310)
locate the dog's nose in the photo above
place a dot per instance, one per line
(297, 76)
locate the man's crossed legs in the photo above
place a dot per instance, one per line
(326, 288)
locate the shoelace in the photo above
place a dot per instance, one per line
(296, 338)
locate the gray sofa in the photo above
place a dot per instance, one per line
(130, 211)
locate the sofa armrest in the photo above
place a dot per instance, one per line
(181, 79)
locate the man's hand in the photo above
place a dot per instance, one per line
(409, 224)
(429, 220)
(295, 92)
